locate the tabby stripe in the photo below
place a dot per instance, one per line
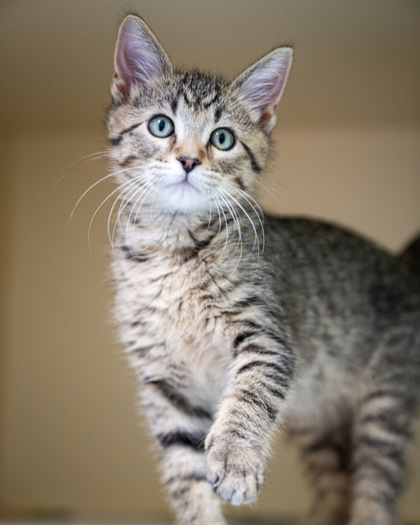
(382, 499)
(115, 141)
(383, 447)
(199, 245)
(178, 493)
(258, 351)
(276, 392)
(218, 113)
(255, 329)
(254, 399)
(248, 301)
(127, 161)
(274, 372)
(142, 350)
(239, 182)
(244, 436)
(133, 255)
(174, 104)
(392, 478)
(178, 400)
(254, 164)
(392, 395)
(187, 439)
(209, 103)
(179, 486)
(260, 364)
(194, 476)
(242, 337)
(193, 251)
(388, 422)
(279, 379)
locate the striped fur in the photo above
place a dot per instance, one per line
(235, 326)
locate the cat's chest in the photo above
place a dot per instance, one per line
(172, 319)
(183, 303)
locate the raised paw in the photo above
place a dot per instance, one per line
(234, 470)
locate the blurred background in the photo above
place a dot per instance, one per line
(347, 150)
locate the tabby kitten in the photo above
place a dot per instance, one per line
(235, 325)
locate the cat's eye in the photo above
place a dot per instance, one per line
(222, 138)
(161, 126)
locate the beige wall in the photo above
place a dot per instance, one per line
(71, 437)
(6, 234)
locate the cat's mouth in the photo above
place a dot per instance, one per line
(184, 190)
(183, 184)
(184, 194)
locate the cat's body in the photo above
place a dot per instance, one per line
(233, 324)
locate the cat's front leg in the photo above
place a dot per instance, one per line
(180, 428)
(239, 440)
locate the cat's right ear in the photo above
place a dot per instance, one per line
(139, 58)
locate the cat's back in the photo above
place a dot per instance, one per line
(329, 272)
(331, 253)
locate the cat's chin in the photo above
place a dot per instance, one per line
(185, 198)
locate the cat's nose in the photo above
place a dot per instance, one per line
(188, 163)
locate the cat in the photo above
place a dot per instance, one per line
(236, 323)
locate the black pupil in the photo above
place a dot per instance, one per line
(222, 138)
(161, 125)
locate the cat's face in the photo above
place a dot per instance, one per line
(188, 142)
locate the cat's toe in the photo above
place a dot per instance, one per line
(240, 488)
(235, 473)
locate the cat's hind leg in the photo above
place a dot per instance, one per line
(180, 429)
(326, 455)
(383, 426)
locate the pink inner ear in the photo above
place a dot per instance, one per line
(265, 117)
(264, 82)
(120, 85)
(139, 57)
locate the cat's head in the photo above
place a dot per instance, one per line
(186, 141)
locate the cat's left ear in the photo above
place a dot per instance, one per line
(261, 85)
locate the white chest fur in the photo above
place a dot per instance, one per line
(172, 323)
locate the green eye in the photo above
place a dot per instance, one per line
(222, 138)
(161, 126)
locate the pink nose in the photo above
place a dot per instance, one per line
(188, 163)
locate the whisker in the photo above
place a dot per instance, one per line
(218, 211)
(270, 192)
(256, 238)
(143, 193)
(226, 223)
(147, 188)
(208, 225)
(123, 202)
(232, 211)
(95, 184)
(87, 158)
(151, 207)
(123, 205)
(248, 197)
(130, 182)
(236, 221)
(134, 182)
(77, 164)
